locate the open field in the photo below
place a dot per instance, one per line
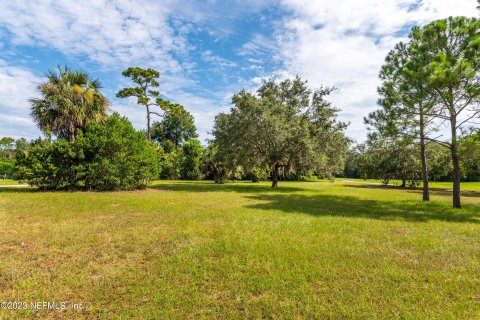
(4, 182)
(466, 186)
(241, 250)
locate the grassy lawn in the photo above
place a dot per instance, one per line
(241, 250)
(4, 182)
(466, 186)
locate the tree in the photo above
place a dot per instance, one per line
(69, 99)
(390, 158)
(110, 156)
(469, 149)
(439, 162)
(285, 126)
(192, 155)
(7, 145)
(171, 159)
(211, 164)
(405, 102)
(353, 161)
(176, 126)
(146, 79)
(448, 51)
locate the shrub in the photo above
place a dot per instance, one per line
(258, 174)
(308, 178)
(192, 155)
(113, 156)
(171, 163)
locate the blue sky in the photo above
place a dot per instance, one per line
(206, 50)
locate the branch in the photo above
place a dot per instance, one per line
(445, 144)
(468, 119)
(158, 114)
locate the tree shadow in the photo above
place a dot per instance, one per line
(240, 187)
(351, 207)
(7, 189)
(292, 200)
(316, 202)
(442, 191)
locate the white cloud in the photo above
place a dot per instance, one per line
(259, 44)
(329, 42)
(344, 43)
(16, 85)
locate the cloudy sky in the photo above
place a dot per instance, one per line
(206, 50)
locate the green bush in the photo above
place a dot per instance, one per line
(192, 156)
(171, 160)
(113, 156)
(258, 174)
(308, 178)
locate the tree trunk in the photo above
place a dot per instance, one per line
(456, 177)
(149, 137)
(275, 176)
(456, 164)
(423, 156)
(404, 183)
(71, 133)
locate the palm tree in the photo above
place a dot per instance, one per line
(69, 99)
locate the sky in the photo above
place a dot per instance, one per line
(206, 50)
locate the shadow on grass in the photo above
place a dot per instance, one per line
(442, 191)
(289, 200)
(8, 189)
(352, 207)
(241, 187)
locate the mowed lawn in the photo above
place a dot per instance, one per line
(194, 250)
(465, 186)
(4, 182)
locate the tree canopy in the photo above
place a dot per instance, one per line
(69, 100)
(110, 156)
(146, 80)
(284, 126)
(431, 80)
(176, 126)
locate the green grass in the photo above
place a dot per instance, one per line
(466, 186)
(241, 250)
(4, 182)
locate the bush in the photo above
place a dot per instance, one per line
(171, 163)
(192, 156)
(221, 176)
(113, 156)
(258, 174)
(308, 178)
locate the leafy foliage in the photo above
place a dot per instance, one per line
(285, 127)
(192, 154)
(8, 147)
(433, 79)
(69, 100)
(212, 166)
(106, 157)
(469, 150)
(177, 126)
(146, 80)
(388, 159)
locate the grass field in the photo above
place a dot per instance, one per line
(241, 250)
(467, 186)
(4, 182)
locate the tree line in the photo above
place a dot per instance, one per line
(282, 131)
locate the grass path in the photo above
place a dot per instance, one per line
(241, 250)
